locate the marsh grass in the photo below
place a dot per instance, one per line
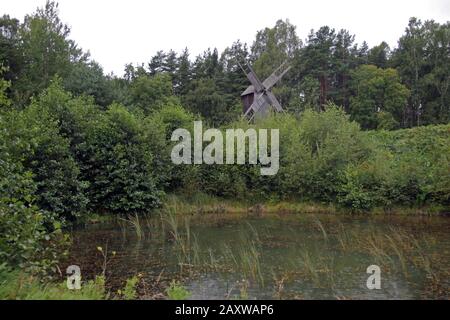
(309, 267)
(321, 228)
(280, 279)
(185, 242)
(201, 203)
(135, 222)
(343, 238)
(245, 257)
(396, 250)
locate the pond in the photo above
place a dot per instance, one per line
(284, 256)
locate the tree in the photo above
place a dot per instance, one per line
(436, 82)
(271, 48)
(274, 45)
(379, 55)
(10, 52)
(4, 85)
(157, 63)
(316, 59)
(422, 59)
(150, 92)
(182, 76)
(329, 56)
(377, 90)
(46, 50)
(343, 62)
(205, 99)
(87, 78)
(32, 140)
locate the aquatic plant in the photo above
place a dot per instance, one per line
(136, 224)
(185, 243)
(129, 291)
(177, 292)
(246, 259)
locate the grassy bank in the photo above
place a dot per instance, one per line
(200, 203)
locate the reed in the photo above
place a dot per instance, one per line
(185, 243)
(135, 222)
(308, 266)
(246, 259)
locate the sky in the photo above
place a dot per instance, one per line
(118, 32)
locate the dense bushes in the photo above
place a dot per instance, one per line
(29, 237)
(313, 152)
(325, 157)
(111, 148)
(87, 159)
(119, 164)
(30, 138)
(409, 167)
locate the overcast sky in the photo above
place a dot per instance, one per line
(117, 32)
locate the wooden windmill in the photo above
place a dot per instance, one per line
(258, 97)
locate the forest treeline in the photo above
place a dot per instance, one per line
(74, 141)
(379, 87)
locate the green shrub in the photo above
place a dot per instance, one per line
(118, 164)
(16, 285)
(177, 292)
(29, 237)
(409, 168)
(31, 138)
(157, 131)
(129, 292)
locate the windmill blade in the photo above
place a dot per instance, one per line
(274, 102)
(253, 78)
(259, 103)
(275, 76)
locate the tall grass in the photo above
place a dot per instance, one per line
(185, 242)
(135, 222)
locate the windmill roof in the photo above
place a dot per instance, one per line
(249, 90)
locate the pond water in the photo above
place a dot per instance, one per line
(295, 256)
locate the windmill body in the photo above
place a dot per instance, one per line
(258, 97)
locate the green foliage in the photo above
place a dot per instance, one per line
(46, 49)
(374, 169)
(157, 130)
(118, 164)
(31, 138)
(379, 55)
(111, 148)
(88, 79)
(74, 140)
(377, 90)
(29, 237)
(129, 291)
(151, 93)
(16, 285)
(422, 60)
(405, 170)
(205, 99)
(177, 292)
(4, 85)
